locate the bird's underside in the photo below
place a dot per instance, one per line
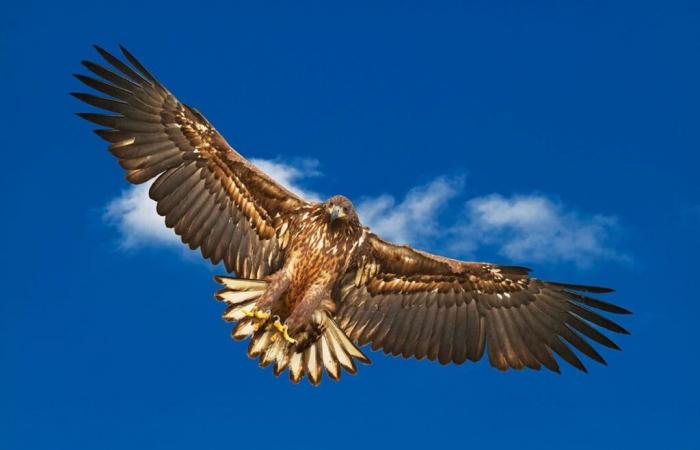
(312, 284)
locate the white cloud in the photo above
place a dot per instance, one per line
(522, 228)
(134, 214)
(415, 218)
(535, 228)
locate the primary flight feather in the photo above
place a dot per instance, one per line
(313, 285)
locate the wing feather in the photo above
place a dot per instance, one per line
(213, 198)
(415, 304)
(448, 330)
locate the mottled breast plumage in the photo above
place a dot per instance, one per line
(318, 248)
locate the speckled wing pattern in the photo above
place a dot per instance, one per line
(210, 195)
(415, 304)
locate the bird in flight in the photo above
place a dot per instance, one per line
(312, 285)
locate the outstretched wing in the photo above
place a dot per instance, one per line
(212, 197)
(415, 304)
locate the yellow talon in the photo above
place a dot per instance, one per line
(257, 314)
(284, 331)
(260, 316)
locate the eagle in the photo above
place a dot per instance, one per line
(307, 283)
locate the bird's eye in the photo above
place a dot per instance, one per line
(345, 210)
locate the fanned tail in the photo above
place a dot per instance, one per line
(332, 350)
(240, 295)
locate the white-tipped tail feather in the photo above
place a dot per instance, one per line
(332, 351)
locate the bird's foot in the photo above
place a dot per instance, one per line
(284, 331)
(258, 314)
(260, 317)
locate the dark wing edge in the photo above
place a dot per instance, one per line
(414, 304)
(209, 194)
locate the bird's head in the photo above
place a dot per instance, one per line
(340, 210)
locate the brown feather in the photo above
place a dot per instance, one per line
(427, 305)
(399, 299)
(162, 136)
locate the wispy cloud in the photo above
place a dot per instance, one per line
(535, 228)
(413, 220)
(134, 215)
(521, 228)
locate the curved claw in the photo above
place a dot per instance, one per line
(284, 331)
(257, 314)
(260, 316)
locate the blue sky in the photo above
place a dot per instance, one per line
(563, 137)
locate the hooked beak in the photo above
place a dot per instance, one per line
(336, 213)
